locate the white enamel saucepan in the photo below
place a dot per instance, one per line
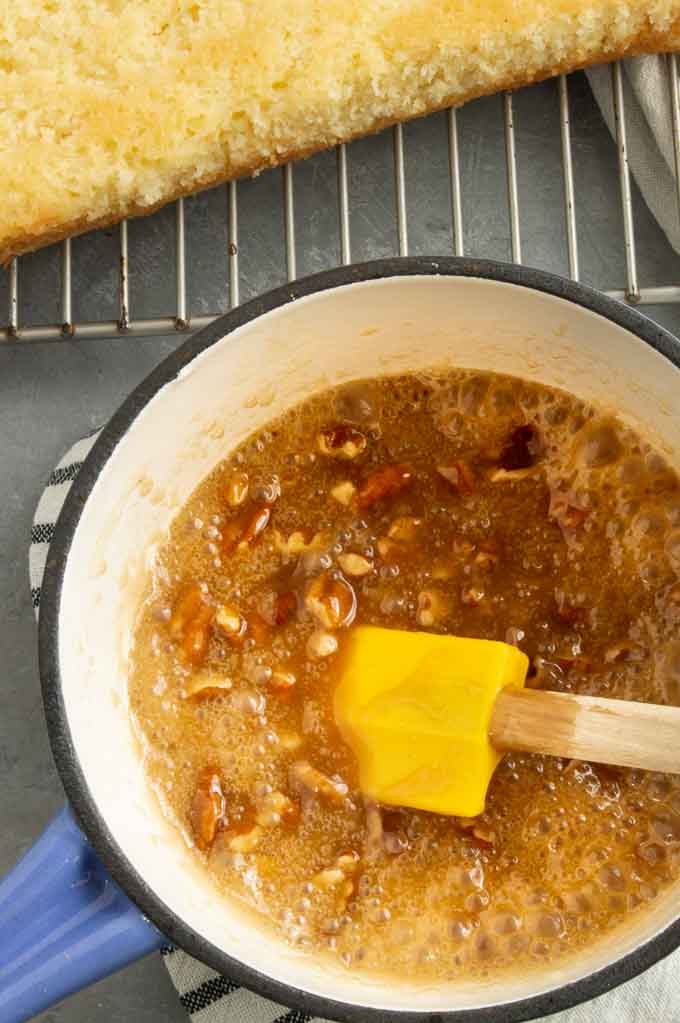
(63, 921)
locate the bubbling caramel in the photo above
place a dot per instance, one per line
(459, 502)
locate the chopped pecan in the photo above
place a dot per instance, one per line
(207, 808)
(476, 829)
(239, 533)
(206, 684)
(282, 681)
(300, 541)
(276, 808)
(384, 482)
(321, 644)
(511, 475)
(188, 605)
(306, 778)
(486, 837)
(256, 523)
(277, 605)
(246, 842)
(191, 624)
(236, 490)
(355, 565)
(405, 528)
(343, 869)
(331, 601)
(459, 475)
(194, 645)
(231, 624)
(344, 492)
(520, 449)
(342, 441)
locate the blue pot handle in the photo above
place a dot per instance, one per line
(63, 923)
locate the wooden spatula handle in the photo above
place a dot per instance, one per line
(619, 732)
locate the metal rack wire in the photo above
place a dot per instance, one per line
(181, 319)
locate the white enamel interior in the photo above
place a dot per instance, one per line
(237, 385)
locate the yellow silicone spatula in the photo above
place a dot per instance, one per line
(429, 718)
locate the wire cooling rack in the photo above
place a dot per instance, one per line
(531, 176)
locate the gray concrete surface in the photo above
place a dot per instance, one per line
(51, 394)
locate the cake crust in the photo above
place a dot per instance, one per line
(40, 232)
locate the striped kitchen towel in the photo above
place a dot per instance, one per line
(210, 998)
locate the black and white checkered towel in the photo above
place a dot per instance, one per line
(211, 998)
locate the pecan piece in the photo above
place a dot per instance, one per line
(256, 523)
(384, 482)
(344, 492)
(207, 808)
(355, 565)
(240, 532)
(277, 808)
(194, 646)
(205, 685)
(191, 624)
(282, 681)
(236, 490)
(343, 441)
(332, 602)
(346, 865)
(246, 842)
(405, 529)
(511, 475)
(314, 783)
(231, 624)
(481, 833)
(300, 541)
(188, 605)
(321, 644)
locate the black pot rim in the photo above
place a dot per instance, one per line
(63, 748)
